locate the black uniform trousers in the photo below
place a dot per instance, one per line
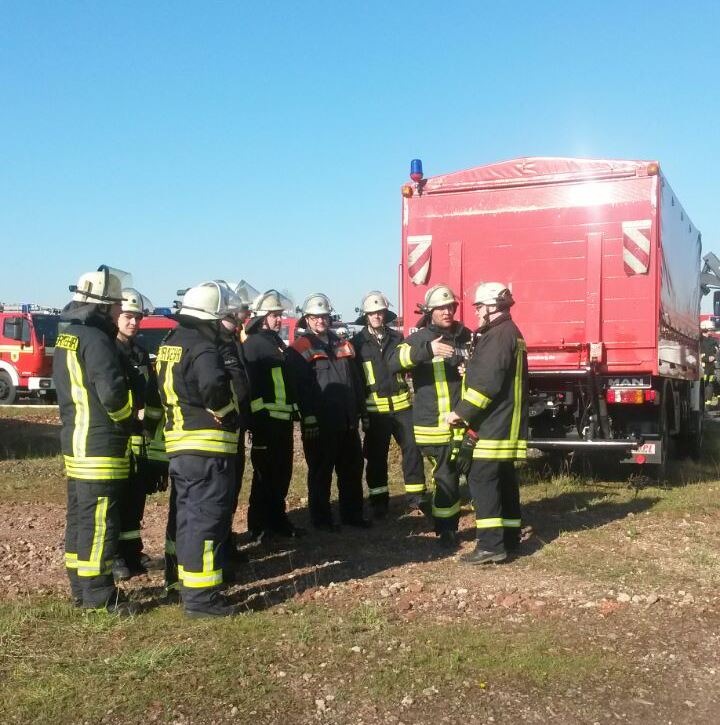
(204, 488)
(376, 446)
(496, 498)
(132, 510)
(171, 563)
(91, 538)
(446, 495)
(272, 459)
(337, 449)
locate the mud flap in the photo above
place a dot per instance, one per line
(651, 450)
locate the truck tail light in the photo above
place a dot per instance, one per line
(407, 191)
(631, 396)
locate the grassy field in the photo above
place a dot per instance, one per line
(610, 613)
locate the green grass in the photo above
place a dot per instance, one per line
(57, 662)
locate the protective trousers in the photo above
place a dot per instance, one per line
(272, 459)
(446, 496)
(376, 446)
(496, 497)
(91, 538)
(172, 580)
(132, 510)
(204, 491)
(337, 449)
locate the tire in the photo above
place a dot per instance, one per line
(8, 392)
(660, 470)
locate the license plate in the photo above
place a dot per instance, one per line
(645, 448)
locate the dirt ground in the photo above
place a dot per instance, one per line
(628, 573)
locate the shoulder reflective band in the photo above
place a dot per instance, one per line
(404, 355)
(476, 398)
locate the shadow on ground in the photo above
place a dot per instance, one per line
(28, 439)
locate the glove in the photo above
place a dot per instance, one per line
(464, 453)
(365, 423)
(310, 431)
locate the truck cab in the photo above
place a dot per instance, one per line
(27, 343)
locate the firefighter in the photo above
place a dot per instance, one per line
(273, 410)
(96, 412)
(331, 403)
(201, 437)
(142, 380)
(709, 360)
(494, 409)
(388, 405)
(435, 356)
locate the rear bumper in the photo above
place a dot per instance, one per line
(568, 444)
(41, 384)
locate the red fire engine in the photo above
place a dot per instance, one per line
(27, 343)
(604, 265)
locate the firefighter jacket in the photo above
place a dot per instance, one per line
(271, 379)
(138, 371)
(436, 381)
(495, 391)
(328, 384)
(93, 396)
(232, 353)
(201, 410)
(385, 392)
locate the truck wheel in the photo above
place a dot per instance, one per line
(695, 439)
(660, 469)
(8, 392)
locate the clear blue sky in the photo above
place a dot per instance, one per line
(268, 141)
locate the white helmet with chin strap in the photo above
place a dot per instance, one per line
(494, 294)
(374, 301)
(103, 287)
(135, 302)
(210, 301)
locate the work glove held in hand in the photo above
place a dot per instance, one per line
(464, 456)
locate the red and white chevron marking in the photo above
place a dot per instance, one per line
(636, 246)
(419, 252)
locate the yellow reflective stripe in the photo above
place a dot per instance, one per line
(446, 512)
(93, 566)
(71, 560)
(208, 577)
(492, 444)
(309, 420)
(79, 395)
(517, 391)
(129, 535)
(404, 355)
(511, 523)
(279, 386)
(279, 415)
(378, 490)
(369, 372)
(489, 523)
(377, 404)
(414, 488)
(401, 401)
(442, 391)
(224, 410)
(211, 441)
(476, 398)
(171, 397)
(256, 405)
(430, 434)
(509, 450)
(97, 468)
(122, 413)
(154, 413)
(210, 434)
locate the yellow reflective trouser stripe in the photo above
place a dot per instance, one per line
(446, 513)
(129, 535)
(124, 412)
(374, 491)
(94, 565)
(170, 547)
(476, 398)
(442, 391)
(137, 444)
(71, 560)
(489, 523)
(208, 577)
(212, 441)
(414, 488)
(79, 395)
(511, 523)
(97, 468)
(224, 410)
(404, 355)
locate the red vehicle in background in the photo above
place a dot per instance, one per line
(27, 343)
(604, 265)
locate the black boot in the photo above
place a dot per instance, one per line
(448, 540)
(218, 606)
(482, 556)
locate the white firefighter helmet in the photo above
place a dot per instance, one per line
(494, 294)
(707, 325)
(439, 296)
(316, 304)
(208, 301)
(374, 301)
(263, 304)
(133, 301)
(103, 287)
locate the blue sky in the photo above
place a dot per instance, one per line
(184, 141)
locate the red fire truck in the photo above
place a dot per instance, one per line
(604, 265)
(27, 343)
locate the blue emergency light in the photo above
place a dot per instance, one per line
(416, 170)
(162, 311)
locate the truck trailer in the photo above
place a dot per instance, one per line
(604, 265)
